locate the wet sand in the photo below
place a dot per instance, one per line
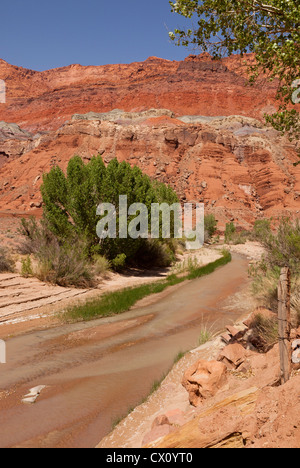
(95, 371)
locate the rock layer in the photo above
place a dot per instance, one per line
(196, 86)
(166, 120)
(239, 169)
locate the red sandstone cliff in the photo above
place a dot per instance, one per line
(197, 86)
(238, 168)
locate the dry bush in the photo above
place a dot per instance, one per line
(62, 263)
(101, 265)
(6, 262)
(265, 331)
(295, 301)
(265, 287)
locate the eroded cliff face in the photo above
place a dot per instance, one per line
(42, 101)
(237, 167)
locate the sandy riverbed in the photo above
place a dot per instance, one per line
(27, 303)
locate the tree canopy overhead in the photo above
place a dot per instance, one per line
(268, 28)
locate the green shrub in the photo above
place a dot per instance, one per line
(119, 262)
(261, 229)
(240, 237)
(63, 262)
(65, 265)
(234, 236)
(71, 201)
(210, 226)
(282, 250)
(229, 232)
(266, 330)
(283, 247)
(264, 284)
(101, 265)
(26, 267)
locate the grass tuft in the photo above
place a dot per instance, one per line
(117, 302)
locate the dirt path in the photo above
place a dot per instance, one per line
(95, 371)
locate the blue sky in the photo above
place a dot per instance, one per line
(48, 34)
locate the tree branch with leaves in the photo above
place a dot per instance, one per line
(269, 29)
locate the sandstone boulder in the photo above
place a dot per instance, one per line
(203, 380)
(160, 421)
(233, 356)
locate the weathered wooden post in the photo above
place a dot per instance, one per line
(284, 319)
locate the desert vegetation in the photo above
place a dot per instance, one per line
(120, 301)
(282, 250)
(6, 261)
(270, 30)
(65, 245)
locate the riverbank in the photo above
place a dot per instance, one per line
(27, 304)
(171, 398)
(247, 409)
(94, 371)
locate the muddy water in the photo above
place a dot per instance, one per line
(96, 371)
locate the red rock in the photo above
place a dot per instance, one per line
(176, 417)
(197, 86)
(203, 380)
(226, 337)
(156, 433)
(160, 421)
(232, 330)
(267, 366)
(238, 168)
(233, 355)
(179, 155)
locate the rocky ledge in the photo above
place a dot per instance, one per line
(224, 394)
(238, 168)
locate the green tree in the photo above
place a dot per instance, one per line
(270, 29)
(71, 201)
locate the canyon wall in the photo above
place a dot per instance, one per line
(193, 124)
(238, 168)
(42, 101)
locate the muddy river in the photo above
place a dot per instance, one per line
(94, 372)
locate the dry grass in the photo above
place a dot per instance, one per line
(6, 261)
(266, 329)
(264, 288)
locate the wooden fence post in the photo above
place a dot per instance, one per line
(284, 319)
